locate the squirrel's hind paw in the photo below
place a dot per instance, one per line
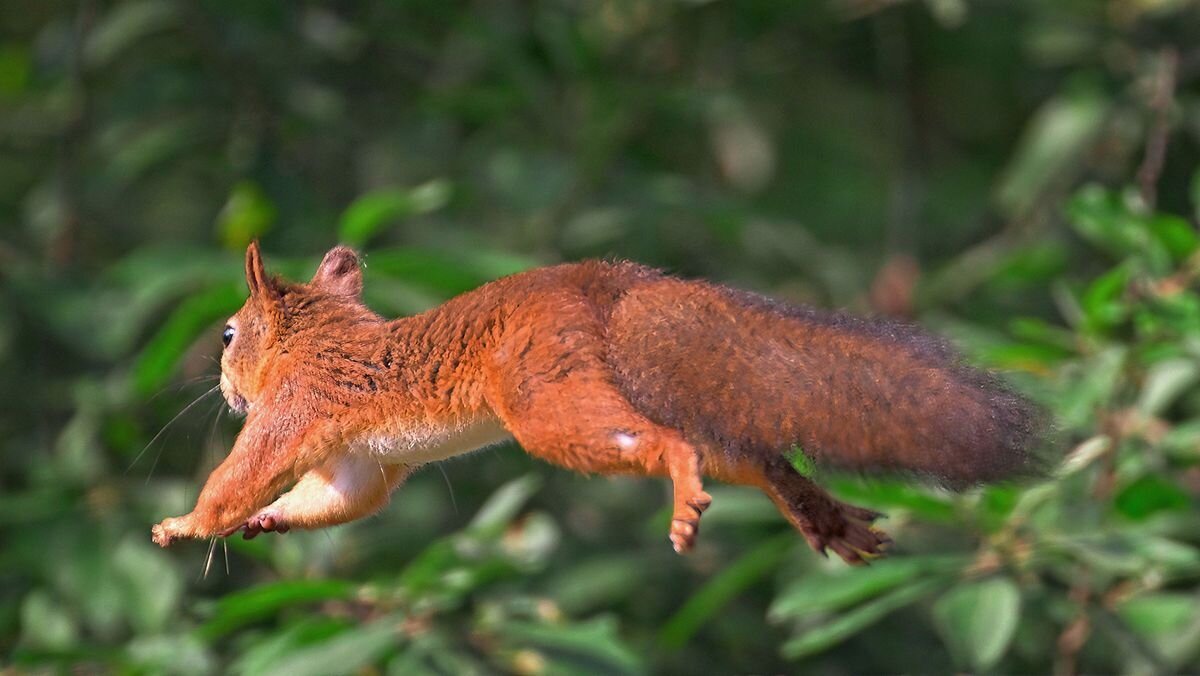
(847, 531)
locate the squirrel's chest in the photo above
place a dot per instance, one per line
(415, 444)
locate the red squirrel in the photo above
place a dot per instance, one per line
(600, 367)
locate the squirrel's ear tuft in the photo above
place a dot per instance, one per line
(256, 274)
(339, 272)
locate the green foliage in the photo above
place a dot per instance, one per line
(1008, 149)
(978, 620)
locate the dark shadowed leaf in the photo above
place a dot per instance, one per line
(343, 653)
(720, 590)
(820, 636)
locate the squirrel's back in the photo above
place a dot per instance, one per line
(750, 375)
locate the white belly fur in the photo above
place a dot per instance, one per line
(410, 444)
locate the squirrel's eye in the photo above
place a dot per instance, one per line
(227, 335)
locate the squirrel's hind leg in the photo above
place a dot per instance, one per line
(598, 432)
(345, 488)
(572, 415)
(824, 521)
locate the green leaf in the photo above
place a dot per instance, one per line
(1175, 234)
(15, 69)
(1149, 495)
(246, 216)
(1172, 555)
(162, 354)
(927, 503)
(1108, 221)
(257, 603)
(819, 593)
(977, 621)
(123, 25)
(171, 654)
(151, 586)
(1051, 143)
(269, 650)
(1084, 454)
(597, 582)
(1103, 302)
(1170, 621)
(372, 212)
(1098, 379)
(581, 648)
(1194, 193)
(45, 623)
(344, 653)
(445, 273)
(1165, 381)
(506, 503)
(722, 588)
(825, 634)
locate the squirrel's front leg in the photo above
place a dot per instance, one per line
(341, 490)
(273, 449)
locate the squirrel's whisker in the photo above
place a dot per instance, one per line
(150, 443)
(212, 546)
(176, 387)
(449, 487)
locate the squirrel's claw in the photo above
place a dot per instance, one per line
(851, 537)
(685, 526)
(160, 536)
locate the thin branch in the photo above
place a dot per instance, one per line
(1160, 130)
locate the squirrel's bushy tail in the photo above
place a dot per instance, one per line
(753, 376)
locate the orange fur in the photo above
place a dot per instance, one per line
(598, 367)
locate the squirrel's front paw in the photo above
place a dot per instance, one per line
(266, 521)
(166, 532)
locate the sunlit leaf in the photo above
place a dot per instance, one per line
(506, 502)
(369, 214)
(1052, 141)
(978, 620)
(1165, 381)
(246, 216)
(817, 594)
(256, 603)
(1084, 454)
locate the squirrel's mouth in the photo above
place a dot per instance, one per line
(237, 402)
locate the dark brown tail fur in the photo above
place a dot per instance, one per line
(754, 376)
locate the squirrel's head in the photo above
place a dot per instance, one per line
(278, 314)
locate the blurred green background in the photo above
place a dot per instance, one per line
(1020, 176)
